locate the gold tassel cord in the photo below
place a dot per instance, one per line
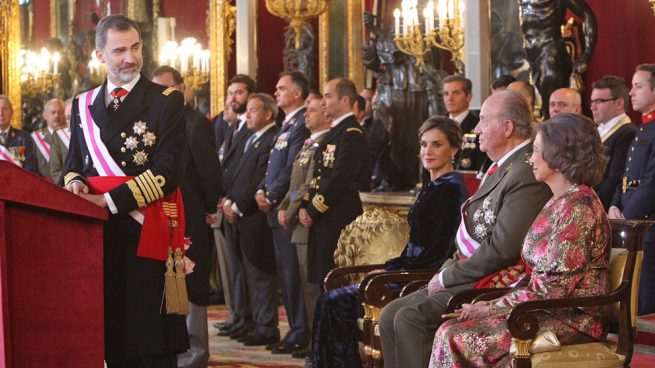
(170, 286)
(180, 282)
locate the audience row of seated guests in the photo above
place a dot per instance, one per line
(433, 220)
(566, 249)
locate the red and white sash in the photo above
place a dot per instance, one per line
(465, 242)
(102, 160)
(41, 144)
(64, 135)
(7, 156)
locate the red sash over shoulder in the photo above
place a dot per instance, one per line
(163, 223)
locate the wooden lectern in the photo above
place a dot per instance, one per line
(51, 274)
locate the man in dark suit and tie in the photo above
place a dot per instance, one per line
(16, 146)
(457, 95)
(126, 154)
(254, 234)
(290, 92)
(341, 162)
(240, 323)
(609, 97)
(201, 185)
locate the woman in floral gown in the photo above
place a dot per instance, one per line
(433, 221)
(567, 248)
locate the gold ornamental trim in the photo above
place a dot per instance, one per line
(323, 49)
(136, 193)
(222, 24)
(319, 202)
(356, 69)
(71, 176)
(9, 46)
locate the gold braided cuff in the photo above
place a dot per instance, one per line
(151, 186)
(319, 203)
(136, 192)
(73, 176)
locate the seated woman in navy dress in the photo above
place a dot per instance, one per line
(433, 222)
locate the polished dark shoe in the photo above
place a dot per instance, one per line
(301, 354)
(287, 349)
(223, 325)
(228, 331)
(242, 335)
(258, 340)
(275, 345)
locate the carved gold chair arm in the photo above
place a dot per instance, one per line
(341, 276)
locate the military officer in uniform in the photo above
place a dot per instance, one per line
(16, 146)
(290, 93)
(635, 199)
(287, 211)
(457, 95)
(341, 161)
(53, 114)
(126, 154)
(201, 186)
(494, 222)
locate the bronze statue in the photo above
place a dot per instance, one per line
(550, 63)
(406, 96)
(302, 58)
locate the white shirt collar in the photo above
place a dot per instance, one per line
(606, 127)
(318, 134)
(510, 153)
(6, 130)
(341, 118)
(52, 131)
(459, 118)
(291, 114)
(242, 120)
(262, 131)
(128, 87)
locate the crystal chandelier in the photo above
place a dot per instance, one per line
(443, 27)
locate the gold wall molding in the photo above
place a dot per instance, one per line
(323, 49)
(222, 18)
(9, 46)
(356, 69)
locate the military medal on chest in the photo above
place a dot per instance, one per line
(140, 135)
(328, 155)
(282, 141)
(483, 219)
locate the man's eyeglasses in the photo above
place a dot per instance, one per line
(602, 100)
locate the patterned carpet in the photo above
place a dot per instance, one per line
(229, 353)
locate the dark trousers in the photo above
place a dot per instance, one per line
(156, 361)
(647, 280)
(286, 258)
(241, 317)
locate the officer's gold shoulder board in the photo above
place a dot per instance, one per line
(354, 130)
(168, 91)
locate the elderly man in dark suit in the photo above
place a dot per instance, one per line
(126, 149)
(341, 162)
(290, 93)
(494, 222)
(201, 185)
(16, 146)
(44, 139)
(255, 238)
(457, 95)
(609, 97)
(239, 325)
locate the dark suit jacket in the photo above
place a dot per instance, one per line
(515, 198)
(223, 133)
(470, 158)
(616, 148)
(134, 326)
(21, 145)
(288, 142)
(255, 235)
(332, 201)
(201, 186)
(233, 155)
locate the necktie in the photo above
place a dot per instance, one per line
(116, 95)
(248, 143)
(492, 169)
(3, 138)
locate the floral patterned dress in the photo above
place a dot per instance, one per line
(568, 249)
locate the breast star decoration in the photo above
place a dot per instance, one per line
(140, 158)
(149, 139)
(140, 127)
(131, 143)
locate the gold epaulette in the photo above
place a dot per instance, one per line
(168, 91)
(319, 203)
(72, 176)
(147, 188)
(354, 130)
